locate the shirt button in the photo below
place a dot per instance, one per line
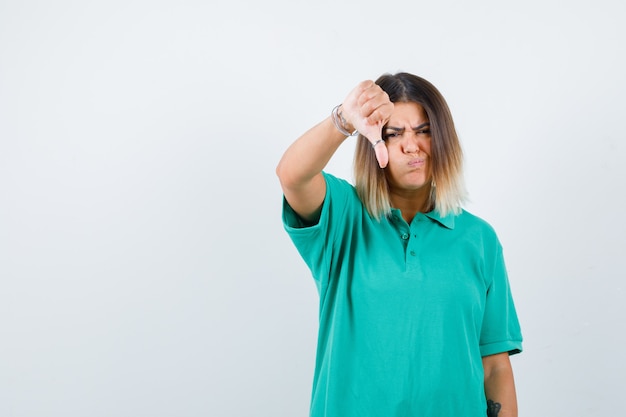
(412, 253)
(405, 236)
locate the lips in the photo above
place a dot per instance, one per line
(417, 162)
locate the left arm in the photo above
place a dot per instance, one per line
(499, 386)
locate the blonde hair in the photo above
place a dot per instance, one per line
(448, 190)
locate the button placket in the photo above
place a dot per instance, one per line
(411, 249)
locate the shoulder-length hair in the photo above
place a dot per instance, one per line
(448, 188)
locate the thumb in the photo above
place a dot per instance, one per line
(373, 133)
(382, 156)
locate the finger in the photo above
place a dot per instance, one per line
(364, 92)
(351, 104)
(372, 96)
(381, 114)
(382, 156)
(373, 134)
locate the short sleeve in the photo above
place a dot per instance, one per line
(500, 330)
(315, 242)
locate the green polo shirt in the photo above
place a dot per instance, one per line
(406, 311)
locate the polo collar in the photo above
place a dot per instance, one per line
(447, 221)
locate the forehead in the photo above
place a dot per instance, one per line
(407, 114)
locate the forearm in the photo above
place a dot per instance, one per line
(300, 168)
(500, 390)
(308, 155)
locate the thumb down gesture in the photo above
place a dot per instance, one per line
(367, 108)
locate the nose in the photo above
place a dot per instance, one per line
(411, 143)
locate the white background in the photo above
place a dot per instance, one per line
(144, 270)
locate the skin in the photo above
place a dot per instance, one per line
(406, 158)
(366, 108)
(499, 384)
(407, 137)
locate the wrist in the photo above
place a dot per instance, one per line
(341, 124)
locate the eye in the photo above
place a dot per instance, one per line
(390, 135)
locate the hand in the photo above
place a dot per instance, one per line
(367, 108)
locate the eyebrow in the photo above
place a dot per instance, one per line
(401, 129)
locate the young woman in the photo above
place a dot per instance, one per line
(416, 314)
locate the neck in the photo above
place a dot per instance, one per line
(411, 202)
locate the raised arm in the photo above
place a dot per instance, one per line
(366, 108)
(300, 168)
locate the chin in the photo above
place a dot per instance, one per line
(420, 186)
(415, 186)
(418, 183)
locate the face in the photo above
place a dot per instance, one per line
(407, 136)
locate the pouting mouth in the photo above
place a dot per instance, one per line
(416, 162)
